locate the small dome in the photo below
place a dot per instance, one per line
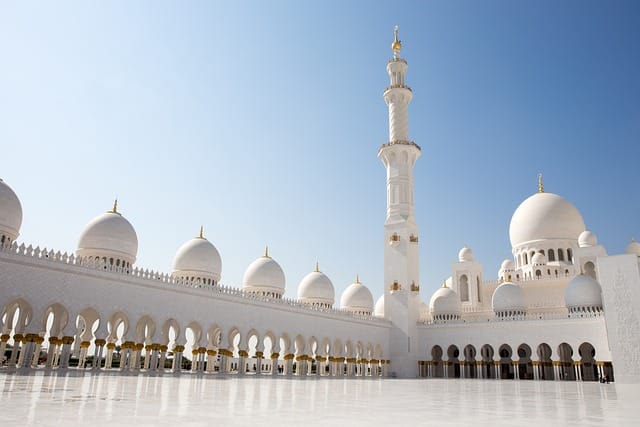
(587, 239)
(264, 275)
(445, 302)
(357, 298)
(545, 216)
(316, 289)
(507, 265)
(109, 235)
(538, 259)
(508, 297)
(583, 291)
(465, 255)
(379, 310)
(10, 212)
(633, 248)
(198, 258)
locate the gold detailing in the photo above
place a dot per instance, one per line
(357, 279)
(444, 283)
(201, 235)
(85, 344)
(111, 346)
(396, 45)
(259, 354)
(317, 270)
(67, 340)
(39, 340)
(321, 359)
(149, 348)
(395, 286)
(115, 206)
(351, 360)
(266, 252)
(413, 238)
(540, 184)
(225, 352)
(302, 358)
(414, 287)
(395, 237)
(138, 347)
(332, 359)
(164, 348)
(202, 350)
(374, 361)
(18, 337)
(211, 353)
(194, 351)
(178, 349)
(4, 337)
(100, 342)
(289, 356)
(243, 353)
(275, 355)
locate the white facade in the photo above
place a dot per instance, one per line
(560, 309)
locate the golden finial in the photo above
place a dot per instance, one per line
(201, 235)
(444, 283)
(396, 46)
(115, 206)
(266, 252)
(317, 270)
(357, 279)
(540, 184)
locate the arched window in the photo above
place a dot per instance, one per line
(478, 288)
(519, 260)
(551, 255)
(560, 255)
(538, 274)
(464, 288)
(526, 261)
(570, 255)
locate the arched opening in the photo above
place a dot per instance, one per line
(506, 364)
(590, 270)
(570, 255)
(545, 362)
(560, 255)
(436, 362)
(565, 353)
(478, 288)
(486, 353)
(588, 367)
(551, 255)
(464, 288)
(470, 362)
(453, 363)
(525, 365)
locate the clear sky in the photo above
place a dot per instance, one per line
(261, 121)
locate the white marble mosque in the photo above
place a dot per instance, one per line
(561, 308)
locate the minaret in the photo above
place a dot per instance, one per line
(401, 277)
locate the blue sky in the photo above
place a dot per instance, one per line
(261, 122)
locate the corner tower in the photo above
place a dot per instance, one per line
(401, 276)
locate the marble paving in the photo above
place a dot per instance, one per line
(46, 398)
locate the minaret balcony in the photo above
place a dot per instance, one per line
(396, 60)
(388, 88)
(400, 142)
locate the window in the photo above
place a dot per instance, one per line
(560, 255)
(551, 255)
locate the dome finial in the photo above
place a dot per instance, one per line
(396, 46)
(357, 278)
(317, 270)
(115, 206)
(201, 235)
(444, 283)
(266, 252)
(540, 184)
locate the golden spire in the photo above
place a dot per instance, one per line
(396, 45)
(357, 279)
(540, 184)
(201, 235)
(317, 270)
(266, 252)
(444, 283)
(115, 206)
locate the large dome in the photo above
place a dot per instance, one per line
(10, 212)
(545, 216)
(316, 289)
(583, 291)
(633, 248)
(264, 275)
(357, 298)
(445, 302)
(508, 297)
(109, 235)
(198, 258)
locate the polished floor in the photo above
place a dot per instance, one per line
(43, 398)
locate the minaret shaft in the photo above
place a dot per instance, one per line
(401, 274)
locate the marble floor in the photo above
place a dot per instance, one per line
(46, 398)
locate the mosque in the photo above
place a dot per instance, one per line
(560, 309)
